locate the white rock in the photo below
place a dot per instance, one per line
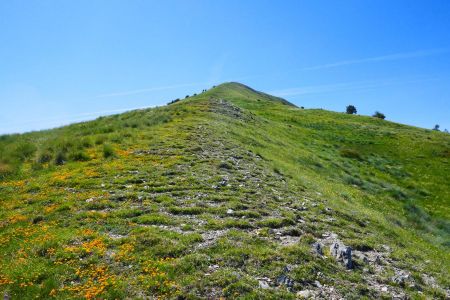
(263, 284)
(304, 294)
(230, 211)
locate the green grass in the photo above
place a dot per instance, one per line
(206, 196)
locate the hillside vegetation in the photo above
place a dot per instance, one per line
(231, 193)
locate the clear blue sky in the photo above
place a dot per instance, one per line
(66, 61)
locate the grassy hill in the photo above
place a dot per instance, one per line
(230, 193)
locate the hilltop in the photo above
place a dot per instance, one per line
(230, 193)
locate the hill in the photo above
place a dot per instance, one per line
(230, 193)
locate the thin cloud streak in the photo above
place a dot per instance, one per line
(146, 90)
(72, 118)
(390, 57)
(346, 86)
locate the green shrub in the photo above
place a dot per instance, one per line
(5, 169)
(100, 140)
(379, 115)
(276, 222)
(36, 166)
(86, 143)
(225, 165)
(108, 151)
(353, 180)
(60, 158)
(154, 220)
(44, 157)
(24, 151)
(350, 153)
(350, 109)
(78, 155)
(128, 213)
(396, 193)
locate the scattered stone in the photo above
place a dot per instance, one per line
(115, 236)
(210, 237)
(378, 260)
(285, 280)
(400, 278)
(213, 268)
(90, 200)
(263, 284)
(429, 280)
(305, 294)
(317, 248)
(71, 190)
(342, 253)
(287, 269)
(317, 284)
(230, 211)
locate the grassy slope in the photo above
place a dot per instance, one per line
(140, 205)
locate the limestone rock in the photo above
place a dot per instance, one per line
(342, 253)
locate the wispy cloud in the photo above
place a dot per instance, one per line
(347, 86)
(217, 68)
(74, 118)
(390, 57)
(146, 90)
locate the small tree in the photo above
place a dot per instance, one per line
(436, 127)
(351, 110)
(379, 115)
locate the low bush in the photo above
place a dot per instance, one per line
(24, 151)
(5, 169)
(60, 158)
(154, 220)
(44, 157)
(350, 153)
(108, 151)
(78, 156)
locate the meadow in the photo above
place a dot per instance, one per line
(222, 194)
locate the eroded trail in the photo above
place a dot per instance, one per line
(250, 225)
(187, 203)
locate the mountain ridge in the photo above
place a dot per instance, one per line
(230, 193)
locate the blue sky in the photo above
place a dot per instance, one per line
(67, 61)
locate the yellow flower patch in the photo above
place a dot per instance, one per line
(94, 281)
(124, 252)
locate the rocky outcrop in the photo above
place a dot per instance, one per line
(342, 253)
